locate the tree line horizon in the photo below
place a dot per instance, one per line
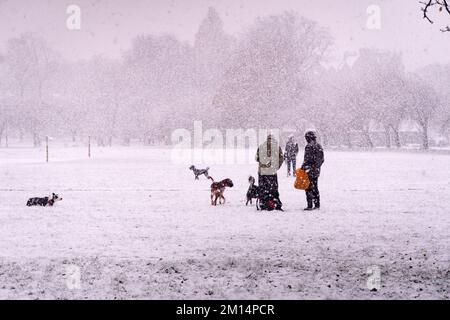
(271, 75)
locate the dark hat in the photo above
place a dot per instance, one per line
(310, 135)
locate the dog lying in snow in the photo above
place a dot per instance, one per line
(199, 172)
(217, 190)
(252, 192)
(45, 201)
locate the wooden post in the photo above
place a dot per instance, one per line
(89, 146)
(46, 148)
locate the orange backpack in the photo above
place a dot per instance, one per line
(301, 180)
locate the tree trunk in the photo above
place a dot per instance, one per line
(348, 139)
(325, 139)
(6, 135)
(368, 139)
(147, 140)
(387, 136)
(2, 128)
(100, 142)
(36, 140)
(74, 136)
(425, 142)
(323, 135)
(396, 137)
(126, 141)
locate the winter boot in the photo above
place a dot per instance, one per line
(317, 203)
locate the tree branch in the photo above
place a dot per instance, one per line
(440, 5)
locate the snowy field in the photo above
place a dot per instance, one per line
(136, 225)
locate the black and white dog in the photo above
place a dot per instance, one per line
(45, 201)
(199, 172)
(253, 192)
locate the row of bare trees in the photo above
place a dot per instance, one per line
(160, 84)
(272, 75)
(377, 93)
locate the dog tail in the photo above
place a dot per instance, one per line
(209, 177)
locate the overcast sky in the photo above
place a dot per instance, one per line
(107, 26)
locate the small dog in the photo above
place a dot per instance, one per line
(217, 190)
(199, 172)
(44, 202)
(253, 192)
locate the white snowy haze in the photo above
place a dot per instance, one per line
(359, 72)
(111, 103)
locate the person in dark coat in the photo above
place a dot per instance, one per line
(290, 154)
(270, 159)
(314, 158)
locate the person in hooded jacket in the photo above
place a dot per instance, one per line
(312, 163)
(290, 154)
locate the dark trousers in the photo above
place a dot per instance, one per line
(312, 193)
(268, 183)
(268, 186)
(291, 162)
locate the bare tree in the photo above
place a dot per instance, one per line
(161, 83)
(423, 102)
(438, 76)
(31, 64)
(440, 5)
(381, 75)
(270, 71)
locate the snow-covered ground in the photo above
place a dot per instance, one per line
(135, 225)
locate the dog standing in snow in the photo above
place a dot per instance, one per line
(217, 190)
(199, 172)
(252, 192)
(45, 201)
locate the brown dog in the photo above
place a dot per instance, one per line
(217, 190)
